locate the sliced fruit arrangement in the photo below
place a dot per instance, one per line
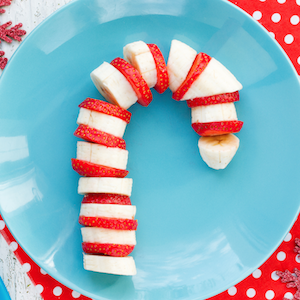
(210, 90)
(106, 211)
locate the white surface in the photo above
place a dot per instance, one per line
(30, 13)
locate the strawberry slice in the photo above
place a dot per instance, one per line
(88, 169)
(106, 199)
(161, 69)
(107, 249)
(100, 137)
(199, 64)
(215, 99)
(217, 128)
(135, 79)
(106, 108)
(109, 223)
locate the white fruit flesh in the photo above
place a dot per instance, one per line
(102, 155)
(108, 236)
(122, 186)
(109, 264)
(140, 57)
(214, 113)
(102, 122)
(215, 79)
(113, 85)
(217, 151)
(108, 210)
(181, 58)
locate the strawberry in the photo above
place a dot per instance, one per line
(135, 79)
(109, 223)
(199, 64)
(107, 249)
(88, 169)
(215, 99)
(217, 128)
(161, 69)
(100, 137)
(106, 108)
(106, 199)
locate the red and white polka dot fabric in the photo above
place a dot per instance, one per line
(282, 19)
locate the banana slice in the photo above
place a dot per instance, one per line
(101, 121)
(102, 155)
(108, 210)
(214, 113)
(217, 151)
(140, 57)
(113, 86)
(109, 264)
(108, 185)
(180, 60)
(108, 236)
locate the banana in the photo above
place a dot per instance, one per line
(113, 86)
(139, 56)
(108, 236)
(109, 185)
(215, 79)
(102, 122)
(102, 155)
(109, 264)
(108, 210)
(217, 151)
(214, 113)
(180, 60)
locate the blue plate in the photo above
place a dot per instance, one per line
(200, 230)
(3, 291)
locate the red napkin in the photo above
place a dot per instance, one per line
(281, 19)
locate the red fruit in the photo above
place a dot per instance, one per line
(109, 223)
(215, 99)
(106, 108)
(199, 64)
(100, 137)
(135, 79)
(106, 199)
(88, 169)
(217, 128)
(107, 249)
(161, 69)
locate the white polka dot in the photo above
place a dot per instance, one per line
(276, 17)
(232, 291)
(269, 294)
(256, 273)
(257, 15)
(298, 2)
(274, 276)
(272, 34)
(288, 39)
(288, 237)
(26, 267)
(262, 0)
(2, 225)
(39, 288)
(13, 246)
(288, 295)
(75, 294)
(57, 291)
(281, 1)
(298, 60)
(297, 258)
(43, 272)
(251, 293)
(281, 256)
(294, 20)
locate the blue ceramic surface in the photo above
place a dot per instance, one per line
(200, 230)
(4, 295)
